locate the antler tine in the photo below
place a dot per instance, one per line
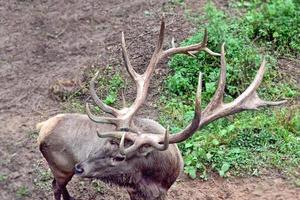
(192, 127)
(160, 41)
(192, 49)
(255, 83)
(122, 145)
(248, 100)
(114, 134)
(219, 94)
(146, 139)
(158, 49)
(105, 120)
(123, 99)
(128, 65)
(98, 101)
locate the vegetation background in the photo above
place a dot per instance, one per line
(249, 142)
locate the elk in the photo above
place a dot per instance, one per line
(136, 153)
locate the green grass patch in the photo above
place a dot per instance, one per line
(249, 141)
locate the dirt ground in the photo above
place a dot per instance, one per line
(44, 41)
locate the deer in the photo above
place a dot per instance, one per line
(133, 152)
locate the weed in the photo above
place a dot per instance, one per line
(297, 183)
(43, 177)
(115, 85)
(98, 186)
(177, 2)
(32, 134)
(2, 178)
(74, 105)
(22, 192)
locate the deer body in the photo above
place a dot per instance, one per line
(68, 139)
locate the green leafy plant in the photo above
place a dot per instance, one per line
(22, 192)
(2, 178)
(253, 140)
(276, 25)
(115, 84)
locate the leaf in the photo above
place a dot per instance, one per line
(97, 108)
(225, 167)
(192, 173)
(215, 142)
(223, 132)
(209, 156)
(110, 99)
(230, 128)
(188, 145)
(210, 87)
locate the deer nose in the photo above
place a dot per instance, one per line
(78, 169)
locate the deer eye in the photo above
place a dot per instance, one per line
(113, 142)
(119, 158)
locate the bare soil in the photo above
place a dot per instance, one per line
(42, 42)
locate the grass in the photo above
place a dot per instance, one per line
(249, 142)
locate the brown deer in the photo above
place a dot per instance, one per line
(136, 153)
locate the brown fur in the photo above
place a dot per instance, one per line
(47, 126)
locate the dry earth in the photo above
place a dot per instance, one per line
(44, 41)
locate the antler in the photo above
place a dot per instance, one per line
(123, 118)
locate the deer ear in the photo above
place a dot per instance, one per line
(141, 152)
(145, 150)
